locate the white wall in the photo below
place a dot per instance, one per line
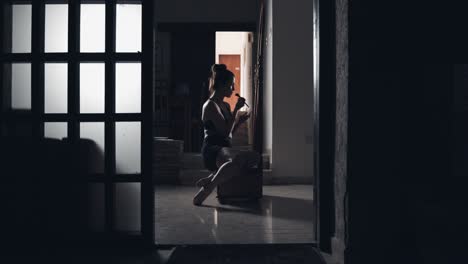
(206, 11)
(292, 89)
(248, 76)
(268, 80)
(228, 43)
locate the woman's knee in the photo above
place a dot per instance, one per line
(224, 155)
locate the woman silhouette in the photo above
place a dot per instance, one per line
(219, 125)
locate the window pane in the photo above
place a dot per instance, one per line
(21, 29)
(128, 87)
(56, 130)
(92, 87)
(92, 30)
(128, 147)
(94, 132)
(56, 28)
(21, 86)
(128, 31)
(96, 206)
(128, 207)
(55, 85)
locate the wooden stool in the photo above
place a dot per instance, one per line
(247, 186)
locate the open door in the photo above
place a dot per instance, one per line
(88, 75)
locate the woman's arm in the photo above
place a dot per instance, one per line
(212, 112)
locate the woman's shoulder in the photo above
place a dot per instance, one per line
(208, 103)
(208, 107)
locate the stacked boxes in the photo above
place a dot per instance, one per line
(167, 160)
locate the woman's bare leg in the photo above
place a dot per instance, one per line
(229, 166)
(204, 181)
(226, 171)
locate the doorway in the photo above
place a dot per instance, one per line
(235, 50)
(233, 63)
(285, 214)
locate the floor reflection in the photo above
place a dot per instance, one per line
(285, 214)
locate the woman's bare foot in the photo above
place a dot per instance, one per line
(204, 181)
(202, 194)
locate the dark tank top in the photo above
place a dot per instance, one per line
(211, 135)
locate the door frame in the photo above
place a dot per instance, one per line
(325, 120)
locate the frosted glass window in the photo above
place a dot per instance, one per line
(92, 87)
(55, 85)
(92, 29)
(128, 31)
(21, 29)
(96, 207)
(128, 147)
(56, 130)
(56, 28)
(128, 207)
(128, 87)
(21, 86)
(94, 131)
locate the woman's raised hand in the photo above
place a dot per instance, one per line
(240, 103)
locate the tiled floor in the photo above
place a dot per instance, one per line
(284, 215)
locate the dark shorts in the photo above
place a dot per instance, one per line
(210, 149)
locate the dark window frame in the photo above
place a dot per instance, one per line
(36, 116)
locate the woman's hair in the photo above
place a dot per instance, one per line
(219, 76)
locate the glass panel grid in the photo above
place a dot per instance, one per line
(127, 100)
